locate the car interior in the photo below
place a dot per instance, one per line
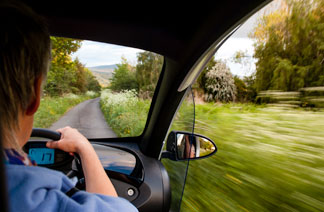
(187, 36)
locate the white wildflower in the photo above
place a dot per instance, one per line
(127, 97)
(220, 84)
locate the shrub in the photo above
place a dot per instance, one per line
(124, 78)
(312, 97)
(242, 92)
(124, 112)
(92, 94)
(148, 68)
(220, 84)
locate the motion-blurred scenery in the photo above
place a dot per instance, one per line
(263, 106)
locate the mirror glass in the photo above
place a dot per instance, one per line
(191, 146)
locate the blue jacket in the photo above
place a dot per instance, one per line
(33, 188)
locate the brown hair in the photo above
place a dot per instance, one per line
(24, 56)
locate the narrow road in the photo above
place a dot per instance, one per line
(88, 119)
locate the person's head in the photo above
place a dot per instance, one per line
(24, 61)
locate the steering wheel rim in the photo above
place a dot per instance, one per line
(55, 136)
(46, 133)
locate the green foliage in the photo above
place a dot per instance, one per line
(65, 75)
(183, 121)
(274, 154)
(142, 78)
(251, 87)
(62, 48)
(289, 47)
(241, 89)
(124, 112)
(148, 68)
(240, 57)
(219, 84)
(245, 89)
(92, 83)
(123, 77)
(260, 151)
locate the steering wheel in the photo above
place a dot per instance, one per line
(76, 169)
(45, 133)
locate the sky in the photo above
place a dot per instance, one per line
(96, 54)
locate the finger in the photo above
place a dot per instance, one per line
(52, 144)
(60, 129)
(61, 132)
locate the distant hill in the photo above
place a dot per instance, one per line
(103, 73)
(104, 68)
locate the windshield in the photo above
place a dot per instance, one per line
(101, 89)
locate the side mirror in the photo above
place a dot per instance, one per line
(185, 145)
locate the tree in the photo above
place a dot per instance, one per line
(148, 68)
(62, 48)
(85, 80)
(246, 90)
(80, 82)
(124, 77)
(66, 75)
(241, 89)
(92, 82)
(246, 61)
(289, 47)
(220, 84)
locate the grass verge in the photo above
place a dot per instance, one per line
(268, 159)
(52, 108)
(124, 112)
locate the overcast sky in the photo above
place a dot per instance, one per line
(95, 54)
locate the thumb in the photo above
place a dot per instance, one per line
(52, 144)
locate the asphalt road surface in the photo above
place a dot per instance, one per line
(88, 119)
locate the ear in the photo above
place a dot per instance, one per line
(34, 104)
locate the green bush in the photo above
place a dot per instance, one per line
(123, 78)
(124, 112)
(148, 68)
(312, 97)
(241, 89)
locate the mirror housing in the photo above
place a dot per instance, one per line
(185, 145)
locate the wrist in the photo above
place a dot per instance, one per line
(83, 147)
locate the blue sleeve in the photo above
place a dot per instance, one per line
(33, 188)
(84, 201)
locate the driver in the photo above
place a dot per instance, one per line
(25, 55)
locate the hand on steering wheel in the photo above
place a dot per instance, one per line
(71, 141)
(57, 136)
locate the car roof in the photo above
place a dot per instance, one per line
(163, 27)
(182, 33)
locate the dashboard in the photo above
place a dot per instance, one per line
(137, 178)
(125, 172)
(112, 159)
